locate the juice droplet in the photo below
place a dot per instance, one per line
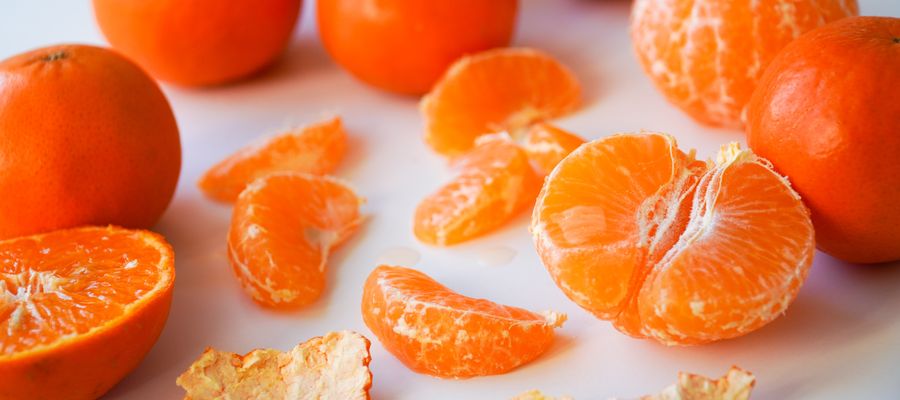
(399, 255)
(496, 256)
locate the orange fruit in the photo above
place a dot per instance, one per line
(436, 331)
(86, 137)
(706, 57)
(198, 42)
(494, 183)
(821, 116)
(405, 46)
(79, 309)
(496, 90)
(334, 366)
(315, 149)
(639, 233)
(546, 145)
(283, 227)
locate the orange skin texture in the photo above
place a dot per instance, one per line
(821, 116)
(707, 56)
(199, 42)
(404, 46)
(86, 137)
(438, 332)
(89, 364)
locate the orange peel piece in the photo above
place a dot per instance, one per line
(334, 366)
(736, 384)
(537, 395)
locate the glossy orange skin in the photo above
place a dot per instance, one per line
(825, 116)
(404, 46)
(199, 42)
(86, 137)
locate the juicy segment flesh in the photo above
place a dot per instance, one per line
(439, 332)
(497, 90)
(334, 366)
(639, 233)
(63, 284)
(283, 228)
(546, 145)
(495, 183)
(315, 149)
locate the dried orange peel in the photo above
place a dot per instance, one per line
(736, 384)
(334, 366)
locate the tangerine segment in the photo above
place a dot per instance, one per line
(637, 232)
(79, 309)
(315, 149)
(334, 366)
(546, 145)
(436, 331)
(495, 183)
(283, 228)
(496, 90)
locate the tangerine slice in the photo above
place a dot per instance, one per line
(283, 227)
(496, 90)
(638, 232)
(334, 366)
(546, 145)
(315, 149)
(495, 182)
(436, 331)
(79, 309)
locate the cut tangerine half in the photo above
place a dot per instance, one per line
(494, 183)
(315, 149)
(436, 331)
(79, 309)
(283, 227)
(638, 232)
(497, 90)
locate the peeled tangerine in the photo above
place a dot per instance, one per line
(640, 233)
(283, 228)
(436, 331)
(334, 366)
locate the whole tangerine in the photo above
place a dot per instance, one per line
(822, 117)
(199, 42)
(706, 56)
(86, 137)
(404, 46)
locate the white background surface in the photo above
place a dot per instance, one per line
(840, 339)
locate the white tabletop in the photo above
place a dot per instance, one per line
(840, 339)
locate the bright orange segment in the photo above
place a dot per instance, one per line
(79, 309)
(497, 90)
(315, 149)
(706, 57)
(283, 228)
(436, 331)
(639, 233)
(546, 145)
(495, 183)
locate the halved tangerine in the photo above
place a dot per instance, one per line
(79, 309)
(315, 149)
(638, 232)
(436, 331)
(494, 183)
(504, 89)
(283, 227)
